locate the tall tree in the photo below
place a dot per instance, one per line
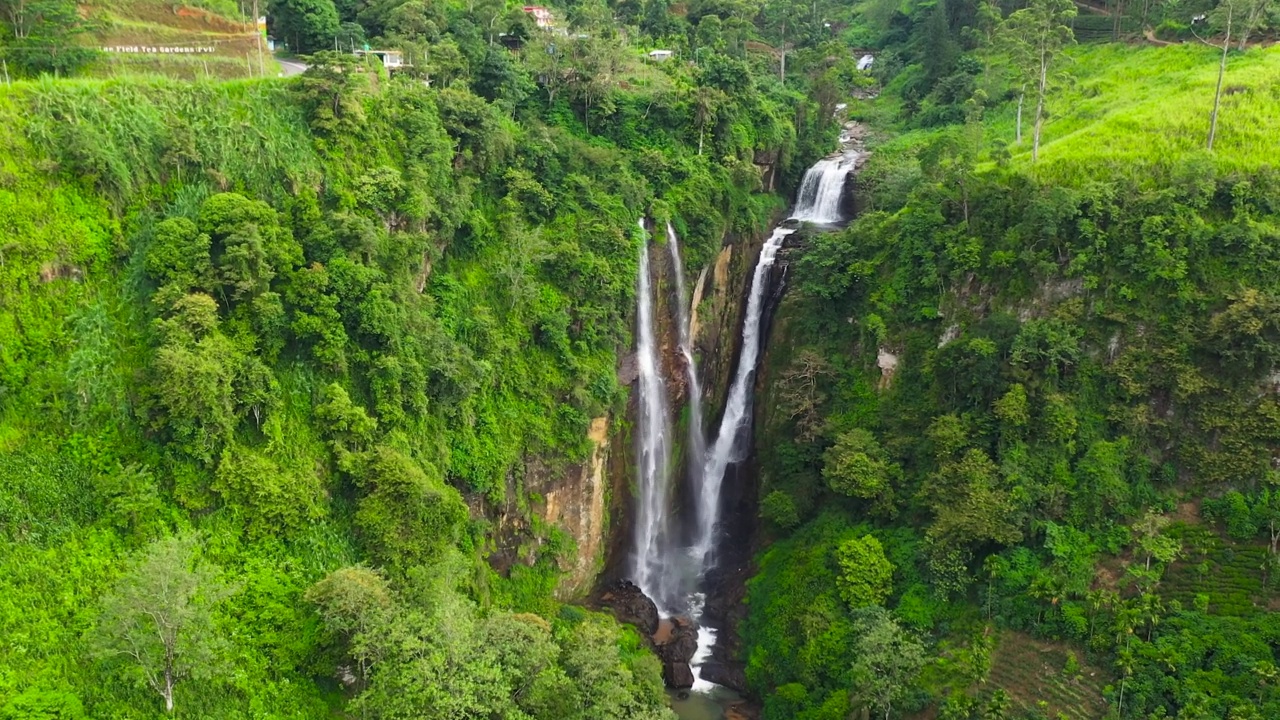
(306, 26)
(857, 466)
(1033, 37)
(159, 617)
(866, 575)
(45, 36)
(971, 503)
(781, 19)
(1257, 14)
(1223, 17)
(596, 65)
(888, 659)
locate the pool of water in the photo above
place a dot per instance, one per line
(702, 705)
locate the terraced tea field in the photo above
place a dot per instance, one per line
(1032, 671)
(1230, 574)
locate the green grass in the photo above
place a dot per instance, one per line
(1137, 109)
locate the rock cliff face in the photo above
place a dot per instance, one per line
(573, 497)
(576, 503)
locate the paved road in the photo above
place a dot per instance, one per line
(289, 68)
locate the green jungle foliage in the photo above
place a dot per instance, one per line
(272, 352)
(1039, 394)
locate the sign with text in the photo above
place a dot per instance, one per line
(159, 49)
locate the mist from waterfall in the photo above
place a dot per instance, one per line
(650, 569)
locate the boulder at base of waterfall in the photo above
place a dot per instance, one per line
(630, 605)
(741, 711)
(677, 675)
(729, 675)
(676, 640)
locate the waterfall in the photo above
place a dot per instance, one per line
(822, 189)
(818, 201)
(653, 449)
(656, 569)
(697, 450)
(727, 448)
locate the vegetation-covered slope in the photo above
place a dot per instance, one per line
(271, 352)
(1034, 396)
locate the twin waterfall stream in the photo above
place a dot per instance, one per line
(674, 549)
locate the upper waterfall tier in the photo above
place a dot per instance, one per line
(822, 189)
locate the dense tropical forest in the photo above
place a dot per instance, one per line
(281, 359)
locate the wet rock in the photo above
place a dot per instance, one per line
(676, 640)
(729, 675)
(630, 605)
(677, 675)
(628, 369)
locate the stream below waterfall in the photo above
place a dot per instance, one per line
(672, 555)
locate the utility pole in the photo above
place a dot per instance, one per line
(1222, 67)
(1222, 70)
(257, 34)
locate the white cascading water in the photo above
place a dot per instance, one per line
(726, 450)
(697, 453)
(818, 201)
(697, 438)
(654, 567)
(822, 189)
(653, 450)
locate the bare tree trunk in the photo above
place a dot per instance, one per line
(1222, 70)
(168, 691)
(1044, 81)
(1249, 24)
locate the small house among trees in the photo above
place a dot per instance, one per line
(392, 60)
(541, 16)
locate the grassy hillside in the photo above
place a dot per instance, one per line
(1135, 109)
(198, 40)
(1138, 112)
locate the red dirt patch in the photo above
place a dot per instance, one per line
(182, 17)
(1188, 512)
